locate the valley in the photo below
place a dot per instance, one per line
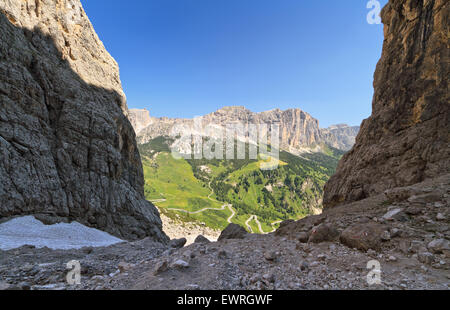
(215, 193)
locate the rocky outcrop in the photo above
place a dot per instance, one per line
(406, 139)
(298, 129)
(340, 136)
(233, 231)
(67, 149)
(140, 119)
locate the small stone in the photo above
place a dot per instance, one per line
(446, 253)
(97, 279)
(322, 257)
(25, 286)
(314, 264)
(426, 258)
(160, 267)
(269, 277)
(390, 214)
(304, 266)
(303, 237)
(88, 250)
(392, 258)
(4, 286)
(115, 273)
(371, 252)
(180, 264)
(386, 236)
(417, 247)
(440, 217)
(124, 267)
(177, 243)
(426, 198)
(395, 232)
(27, 267)
(271, 255)
(413, 211)
(222, 254)
(193, 287)
(438, 246)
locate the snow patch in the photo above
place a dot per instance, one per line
(27, 230)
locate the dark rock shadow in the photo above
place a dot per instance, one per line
(67, 151)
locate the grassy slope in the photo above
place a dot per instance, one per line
(240, 182)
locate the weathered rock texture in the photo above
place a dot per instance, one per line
(67, 149)
(298, 129)
(140, 119)
(340, 136)
(406, 140)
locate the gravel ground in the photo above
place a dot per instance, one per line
(404, 231)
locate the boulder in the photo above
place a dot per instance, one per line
(233, 231)
(201, 239)
(363, 236)
(322, 233)
(303, 237)
(177, 243)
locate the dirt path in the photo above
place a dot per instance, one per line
(233, 213)
(247, 223)
(227, 205)
(255, 218)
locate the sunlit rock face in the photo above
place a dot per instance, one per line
(406, 139)
(67, 149)
(140, 119)
(340, 136)
(298, 130)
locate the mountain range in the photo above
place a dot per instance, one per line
(217, 192)
(299, 131)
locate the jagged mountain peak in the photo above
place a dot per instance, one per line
(298, 129)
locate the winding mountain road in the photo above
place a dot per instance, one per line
(255, 218)
(223, 207)
(227, 205)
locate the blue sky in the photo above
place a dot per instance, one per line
(184, 58)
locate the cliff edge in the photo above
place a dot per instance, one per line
(67, 149)
(406, 139)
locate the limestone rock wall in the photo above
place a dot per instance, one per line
(67, 149)
(406, 139)
(298, 129)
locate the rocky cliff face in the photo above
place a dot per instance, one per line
(340, 136)
(298, 129)
(67, 149)
(406, 140)
(140, 119)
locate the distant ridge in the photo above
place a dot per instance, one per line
(298, 129)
